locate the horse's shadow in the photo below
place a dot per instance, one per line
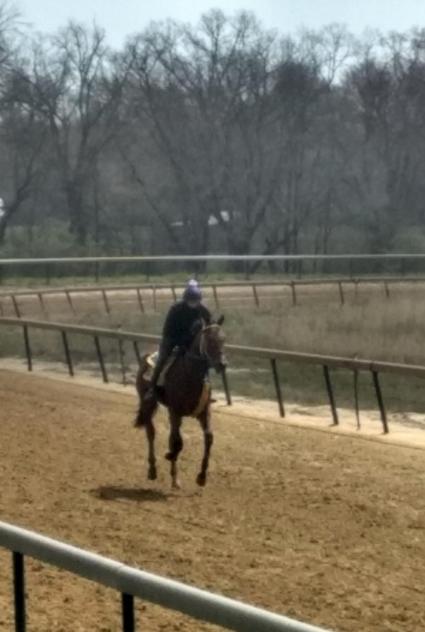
(138, 495)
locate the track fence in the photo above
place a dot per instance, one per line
(130, 582)
(248, 265)
(150, 295)
(272, 356)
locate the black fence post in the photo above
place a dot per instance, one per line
(277, 387)
(380, 399)
(15, 306)
(294, 294)
(106, 302)
(255, 295)
(100, 359)
(27, 347)
(226, 387)
(19, 591)
(329, 389)
(387, 289)
(121, 354)
(217, 302)
(67, 353)
(341, 293)
(128, 619)
(70, 303)
(140, 300)
(137, 353)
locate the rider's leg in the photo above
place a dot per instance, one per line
(163, 355)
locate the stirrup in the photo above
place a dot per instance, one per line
(150, 393)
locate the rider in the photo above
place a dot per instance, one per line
(177, 331)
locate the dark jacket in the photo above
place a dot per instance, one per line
(180, 320)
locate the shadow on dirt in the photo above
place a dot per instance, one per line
(138, 495)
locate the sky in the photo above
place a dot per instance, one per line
(121, 18)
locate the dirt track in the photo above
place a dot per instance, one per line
(325, 528)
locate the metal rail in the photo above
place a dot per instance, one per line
(223, 257)
(103, 290)
(272, 355)
(131, 582)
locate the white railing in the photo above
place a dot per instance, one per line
(131, 582)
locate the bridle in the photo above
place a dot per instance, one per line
(202, 346)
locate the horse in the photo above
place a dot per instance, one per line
(185, 393)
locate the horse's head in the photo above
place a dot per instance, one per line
(212, 345)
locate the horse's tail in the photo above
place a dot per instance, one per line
(142, 384)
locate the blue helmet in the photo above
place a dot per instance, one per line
(192, 291)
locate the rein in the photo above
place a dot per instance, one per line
(201, 343)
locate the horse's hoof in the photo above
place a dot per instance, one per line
(169, 456)
(176, 485)
(152, 475)
(201, 479)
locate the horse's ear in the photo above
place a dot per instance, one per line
(220, 321)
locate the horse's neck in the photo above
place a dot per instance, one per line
(195, 347)
(194, 356)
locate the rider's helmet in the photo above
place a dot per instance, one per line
(192, 294)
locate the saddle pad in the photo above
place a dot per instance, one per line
(152, 359)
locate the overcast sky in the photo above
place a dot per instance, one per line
(123, 17)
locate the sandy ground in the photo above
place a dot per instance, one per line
(323, 527)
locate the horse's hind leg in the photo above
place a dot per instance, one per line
(205, 421)
(150, 435)
(175, 447)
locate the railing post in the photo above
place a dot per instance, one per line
(277, 387)
(226, 387)
(137, 353)
(67, 353)
(217, 303)
(173, 291)
(100, 359)
(329, 389)
(140, 300)
(387, 289)
(122, 361)
(27, 347)
(42, 305)
(19, 591)
(70, 303)
(294, 294)
(128, 620)
(106, 302)
(154, 297)
(15, 306)
(380, 401)
(341, 293)
(255, 294)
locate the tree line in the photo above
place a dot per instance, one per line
(223, 136)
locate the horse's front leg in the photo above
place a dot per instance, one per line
(150, 435)
(205, 421)
(175, 447)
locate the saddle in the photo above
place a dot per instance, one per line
(206, 389)
(152, 359)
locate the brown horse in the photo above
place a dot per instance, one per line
(183, 394)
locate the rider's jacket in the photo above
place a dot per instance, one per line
(180, 320)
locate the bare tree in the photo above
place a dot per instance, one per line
(78, 92)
